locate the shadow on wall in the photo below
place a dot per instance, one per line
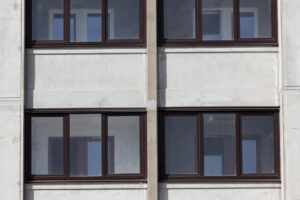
(29, 80)
(162, 79)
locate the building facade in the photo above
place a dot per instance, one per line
(149, 100)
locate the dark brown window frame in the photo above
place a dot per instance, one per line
(198, 112)
(273, 41)
(105, 113)
(103, 43)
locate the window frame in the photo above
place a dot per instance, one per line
(105, 176)
(66, 42)
(238, 112)
(237, 40)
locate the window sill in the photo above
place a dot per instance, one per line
(87, 185)
(84, 51)
(244, 184)
(214, 49)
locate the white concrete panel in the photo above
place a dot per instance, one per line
(212, 191)
(87, 191)
(218, 79)
(291, 44)
(222, 194)
(85, 80)
(10, 49)
(291, 144)
(10, 151)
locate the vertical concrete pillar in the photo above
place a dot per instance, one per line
(11, 99)
(152, 101)
(290, 44)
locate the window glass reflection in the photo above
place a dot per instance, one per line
(217, 19)
(181, 145)
(179, 19)
(255, 19)
(258, 145)
(219, 144)
(47, 145)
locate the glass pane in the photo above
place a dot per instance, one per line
(217, 20)
(47, 145)
(72, 27)
(179, 19)
(85, 145)
(87, 17)
(123, 144)
(181, 145)
(47, 20)
(94, 27)
(255, 19)
(123, 19)
(58, 25)
(219, 144)
(257, 145)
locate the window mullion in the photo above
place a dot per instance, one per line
(200, 145)
(198, 20)
(104, 144)
(67, 20)
(104, 21)
(66, 146)
(236, 20)
(276, 136)
(238, 146)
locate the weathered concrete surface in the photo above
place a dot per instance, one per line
(218, 79)
(10, 151)
(69, 79)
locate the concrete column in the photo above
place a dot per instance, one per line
(11, 99)
(152, 155)
(290, 45)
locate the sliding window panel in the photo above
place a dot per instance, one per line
(47, 146)
(258, 145)
(217, 20)
(181, 145)
(85, 21)
(219, 144)
(255, 19)
(47, 20)
(85, 145)
(123, 144)
(123, 19)
(179, 19)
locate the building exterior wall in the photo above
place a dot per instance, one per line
(218, 77)
(11, 99)
(256, 76)
(290, 102)
(113, 78)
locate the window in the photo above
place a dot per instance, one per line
(84, 145)
(217, 21)
(219, 144)
(88, 22)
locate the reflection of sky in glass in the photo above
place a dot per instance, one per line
(249, 156)
(58, 27)
(94, 159)
(213, 165)
(72, 27)
(94, 27)
(246, 25)
(211, 26)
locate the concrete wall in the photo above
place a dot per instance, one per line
(86, 191)
(218, 77)
(222, 191)
(290, 47)
(85, 78)
(11, 99)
